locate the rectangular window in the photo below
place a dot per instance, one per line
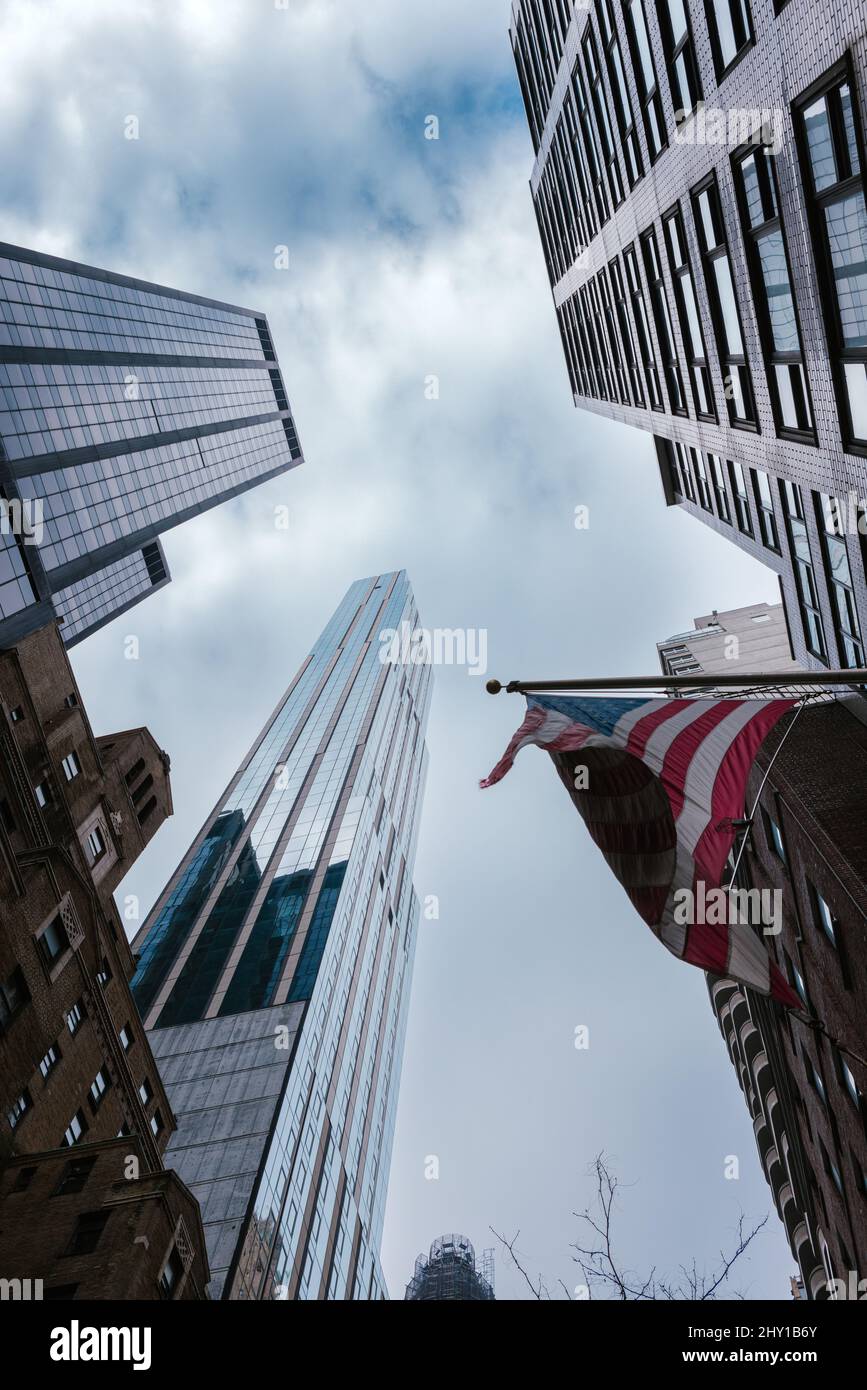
(624, 331)
(127, 1037)
(145, 1092)
(642, 327)
(805, 575)
(690, 324)
(742, 501)
(824, 916)
(49, 1061)
(172, 1274)
(76, 1128)
(662, 320)
(96, 844)
(75, 1017)
(157, 1125)
(98, 1088)
(829, 134)
(88, 1229)
(14, 994)
(701, 478)
(831, 521)
(683, 75)
(622, 103)
(730, 26)
(600, 110)
(53, 942)
(74, 1177)
(16, 714)
(765, 506)
(779, 327)
(724, 311)
(71, 766)
(719, 487)
(645, 78)
(774, 837)
(589, 146)
(42, 792)
(19, 1108)
(687, 484)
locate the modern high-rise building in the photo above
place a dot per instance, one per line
(699, 190)
(450, 1273)
(125, 409)
(274, 971)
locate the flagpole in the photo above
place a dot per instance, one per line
(663, 682)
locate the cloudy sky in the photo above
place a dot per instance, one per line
(409, 258)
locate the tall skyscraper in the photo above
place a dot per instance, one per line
(699, 190)
(275, 969)
(125, 409)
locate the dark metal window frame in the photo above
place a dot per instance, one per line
(644, 336)
(685, 47)
(710, 185)
(626, 124)
(841, 73)
(721, 68)
(661, 310)
(679, 273)
(593, 72)
(766, 167)
(808, 603)
(649, 98)
(743, 512)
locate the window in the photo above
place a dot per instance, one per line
(19, 1108)
(683, 75)
(14, 994)
(701, 478)
(848, 1082)
(16, 714)
(172, 1274)
(88, 1229)
(74, 1176)
(96, 844)
(805, 578)
(662, 319)
(103, 974)
(24, 1179)
(98, 1088)
(71, 700)
(742, 501)
(49, 1061)
(157, 1125)
(622, 104)
(75, 1017)
(127, 1037)
(830, 142)
(830, 518)
(71, 766)
(145, 1092)
(645, 78)
(690, 324)
(53, 942)
(768, 260)
(42, 792)
(765, 505)
(719, 486)
(75, 1129)
(731, 31)
(642, 327)
(624, 326)
(815, 1079)
(600, 110)
(824, 916)
(710, 230)
(590, 149)
(775, 837)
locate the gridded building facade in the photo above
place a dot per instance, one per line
(699, 190)
(274, 971)
(125, 408)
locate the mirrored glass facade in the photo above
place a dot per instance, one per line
(274, 970)
(125, 408)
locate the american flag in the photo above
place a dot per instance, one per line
(661, 784)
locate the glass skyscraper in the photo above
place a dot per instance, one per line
(274, 970)
(125, 408)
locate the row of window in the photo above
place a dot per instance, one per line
(582, 182)
(721, 489)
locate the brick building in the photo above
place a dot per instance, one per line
(698, 185)
(86, 1205)
(805, 1093)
